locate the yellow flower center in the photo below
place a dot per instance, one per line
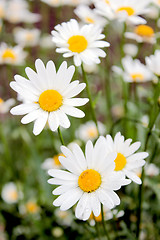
(107, 1)
(89, 180)
(13, 195)
(120, 162)
(92, 133)
(144, 31)
(130, 11)
(50, 100)
(1, 12)
(29, 37)
(9, 54)
(56, 159)
(1, 101)
(77, 43)
(31, 207)
(158, 1)
(137, 76)
(98, 219)
(89, 20)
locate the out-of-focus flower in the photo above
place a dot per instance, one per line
(81, 43)
(88, 15)
(27, 37)
(57, 232)
(12, 55)
(153, 12)
(52, 162)
(151, 170)
(130, 49)
(5, 106)
(153, 62)
(134, 71)
(142, 33)
(90, 68)
(145, 120)
(57, 3)
(127, 160)
(49, 96)
(10, 193)
(17, 11)
(124, 10)
(157, 2)
(87, 181)
(3, 5)
(31, 207)
(88, 131)
(64, 218)
(46, 41)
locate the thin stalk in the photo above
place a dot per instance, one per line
(96, 227)
(60, 136)
(90, 97)
(103, 223)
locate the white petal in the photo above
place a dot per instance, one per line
(40, 123)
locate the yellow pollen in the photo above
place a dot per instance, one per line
(130, 11)
(77, 43)
(29, 37)
(92, 132)
(31, 207)
(1, 101)
(137, 76)
(9, 54)
(89, 180)
(89, 20)
(56, 159)
(107, 1)
(144, 31)
(50, 100)
(120, 162)
(14, 195)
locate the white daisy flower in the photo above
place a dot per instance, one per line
(57, 3)
(49, 96)
(134, 71)
(3, 6)
(125, 10)
(88, 131)
(46, 41)
(89, 180)
(64, 218)
(88, 15)
(153, 62)
(52, 162)
(27, 37)
(151, 170)
(83, 43)
(142, 33)
(12, 55)
(5, 106)
(10, 193)
(127, 160)
(130, 49)
(157, 2)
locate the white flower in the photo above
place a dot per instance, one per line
(89, 180)
(151, 170)
(27, 37)
(3, 6)
(83, 43)
(49, 96)
(153, 62)
(157, 2)
(88, 15)
(5, 106)
(52, 162)
(124, 10)
(64, 218)
(17, 11)
(12, 55)
(46, 41)
(10, 193)
(130, 49)
(134, 71)
(127, 160)
(88, 131)
(57, 3)
(142, 33)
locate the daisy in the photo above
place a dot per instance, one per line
(12, 55)
(127, 160)
(90, 180)
(142, 33)
(3, 6)
(27, 37)
(153, 62)
(49, 96)
(126, 10)
(5, 106)
(134, 71)
(54, 3)
(130, 49)
(157, 2)
(88, 15)
(151, 170)
(88, 131)
(64, 218)
(52, 162)
(10, 193)
(83, 43)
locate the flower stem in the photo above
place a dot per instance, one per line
(90, 98)
(103, 223)
(60, 136)
(96, 227)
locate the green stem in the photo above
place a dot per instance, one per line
(103, 223)
(90, 98)
(60, 136)
(96, 227)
